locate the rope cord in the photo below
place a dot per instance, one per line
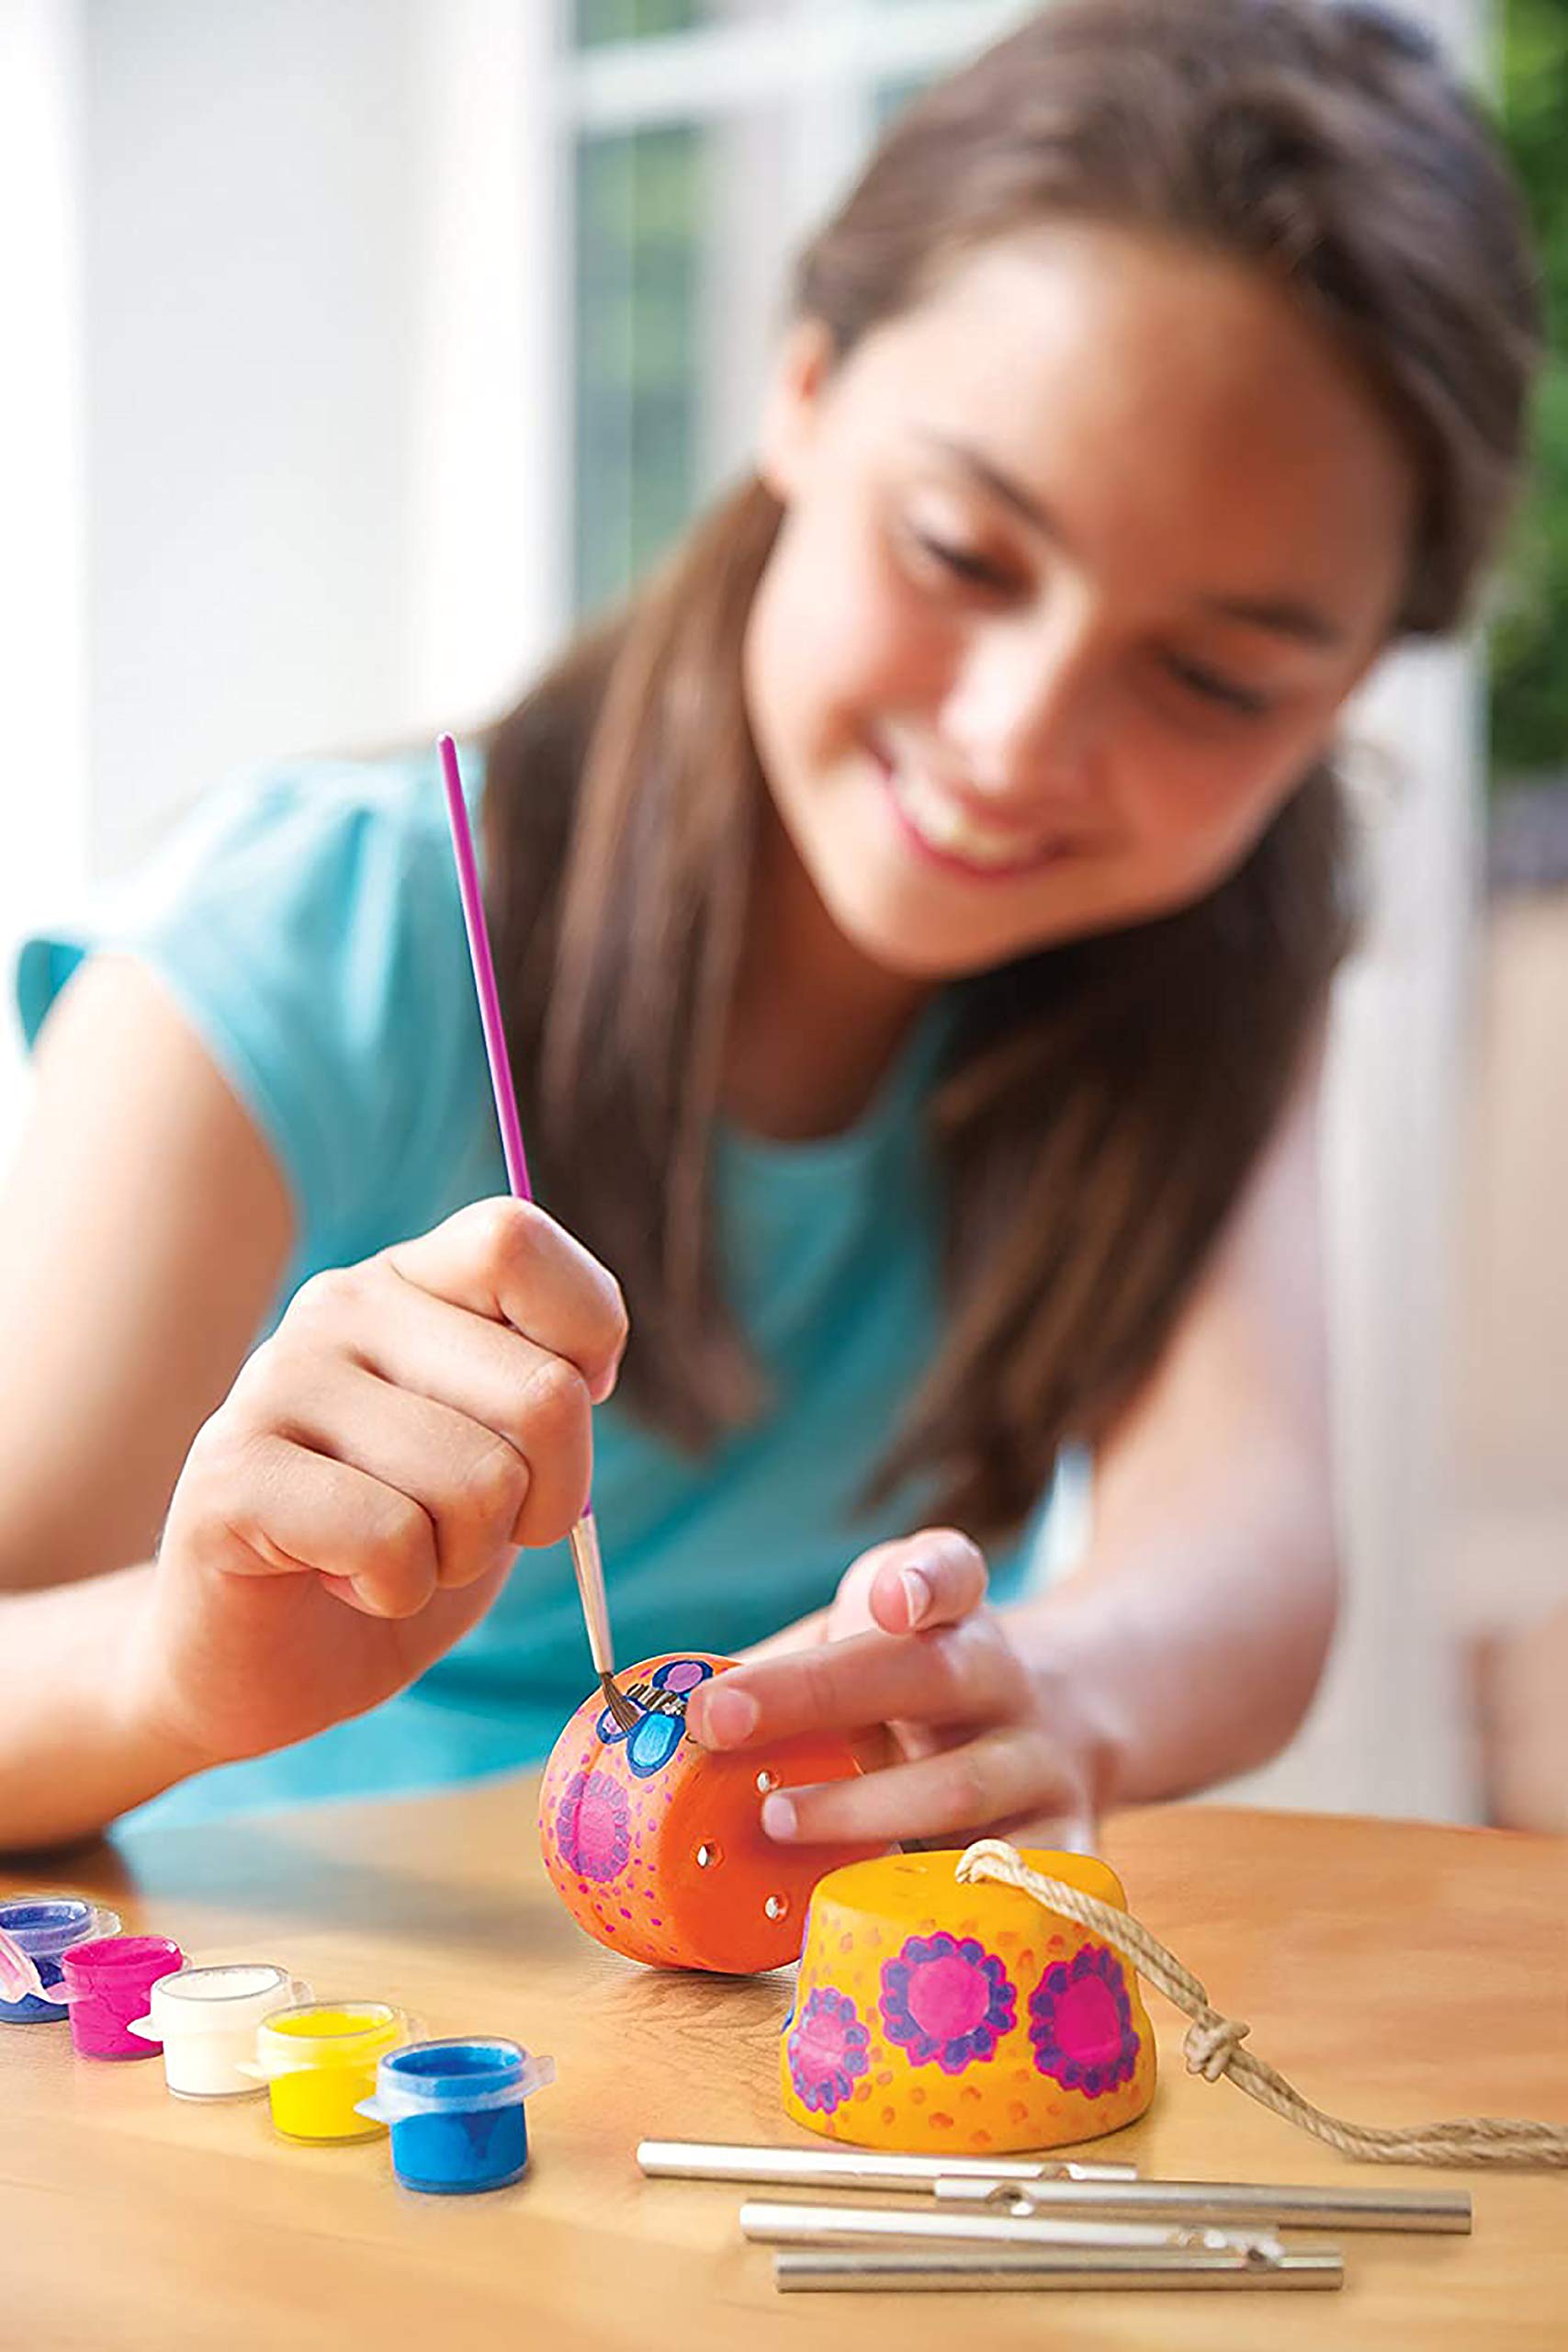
(1213, 2045)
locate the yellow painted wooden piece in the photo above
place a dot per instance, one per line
(964, 2020)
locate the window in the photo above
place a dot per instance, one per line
(640, 203)
(704, 139)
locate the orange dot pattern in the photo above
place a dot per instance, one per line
(622, 1824)
(932, 2016)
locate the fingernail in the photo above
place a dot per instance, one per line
(916, 1593)
(780, 1819)
(727, 1718)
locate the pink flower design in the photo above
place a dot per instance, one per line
(828, 2048)
(1081, 2023)
(948, 2003)
(593, 1827)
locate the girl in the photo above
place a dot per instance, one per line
(916, 914)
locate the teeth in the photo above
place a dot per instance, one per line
(947, 827)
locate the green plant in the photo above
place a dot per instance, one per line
(1530, 641)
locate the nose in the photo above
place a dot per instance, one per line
(1022, 715)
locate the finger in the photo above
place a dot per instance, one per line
(965, 1673)
(510, 1262)
(482, 1495)
(1010, 1774)
(293, 1511)
(933, 1578)
(538, 1402)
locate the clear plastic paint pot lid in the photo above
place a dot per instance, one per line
(106, 1958)
(19, 1980)
(461, 2075)
(237, 1995)
(47, 1925)
(328, 2034)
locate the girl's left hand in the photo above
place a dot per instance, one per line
(977, 1744)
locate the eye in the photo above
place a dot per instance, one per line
(965, 563)
(1215, 688)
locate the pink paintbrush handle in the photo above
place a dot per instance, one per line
(585, 1556)
(484, 974)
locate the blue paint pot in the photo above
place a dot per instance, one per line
(456, 2112)
(44, 1928)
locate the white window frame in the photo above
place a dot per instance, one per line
(815, 66)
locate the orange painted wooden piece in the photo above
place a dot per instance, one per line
(964, 2020)
(656, 1846)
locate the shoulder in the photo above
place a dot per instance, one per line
(306, 920)
(317, 827)
(294, 852)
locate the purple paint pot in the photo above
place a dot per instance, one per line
(43, 1927)
(106, 1986)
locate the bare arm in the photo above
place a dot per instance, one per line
(1199, 1622)
(336, 1508)
(1185, 1649)
(143, 1229)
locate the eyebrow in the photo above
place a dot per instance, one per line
(1282, 615)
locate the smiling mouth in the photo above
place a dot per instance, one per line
(942, 831)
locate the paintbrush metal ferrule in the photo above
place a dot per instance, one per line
(589, 1569)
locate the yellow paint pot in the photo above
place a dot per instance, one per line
(318, 2060)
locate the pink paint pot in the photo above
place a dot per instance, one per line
(106, 1986)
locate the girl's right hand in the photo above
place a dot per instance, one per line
(352, 1507)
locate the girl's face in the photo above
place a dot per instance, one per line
(1081, 557)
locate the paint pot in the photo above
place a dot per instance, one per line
(44, 1928)
(456, 2112)
(320, 2060)
(205, 2020)
(105, 1984)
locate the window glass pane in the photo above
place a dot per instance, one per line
(641, 202)
(596, 21)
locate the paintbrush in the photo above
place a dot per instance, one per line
(586, 1558)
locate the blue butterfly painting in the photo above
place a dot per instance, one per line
(661, 1727)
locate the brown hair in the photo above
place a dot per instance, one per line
(1104, 1100)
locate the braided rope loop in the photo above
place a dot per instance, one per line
(1214, 2043)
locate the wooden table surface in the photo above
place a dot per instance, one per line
(1398, 1973)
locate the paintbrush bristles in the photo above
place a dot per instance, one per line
(624, 1710)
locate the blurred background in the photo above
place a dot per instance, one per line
(357, 345)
